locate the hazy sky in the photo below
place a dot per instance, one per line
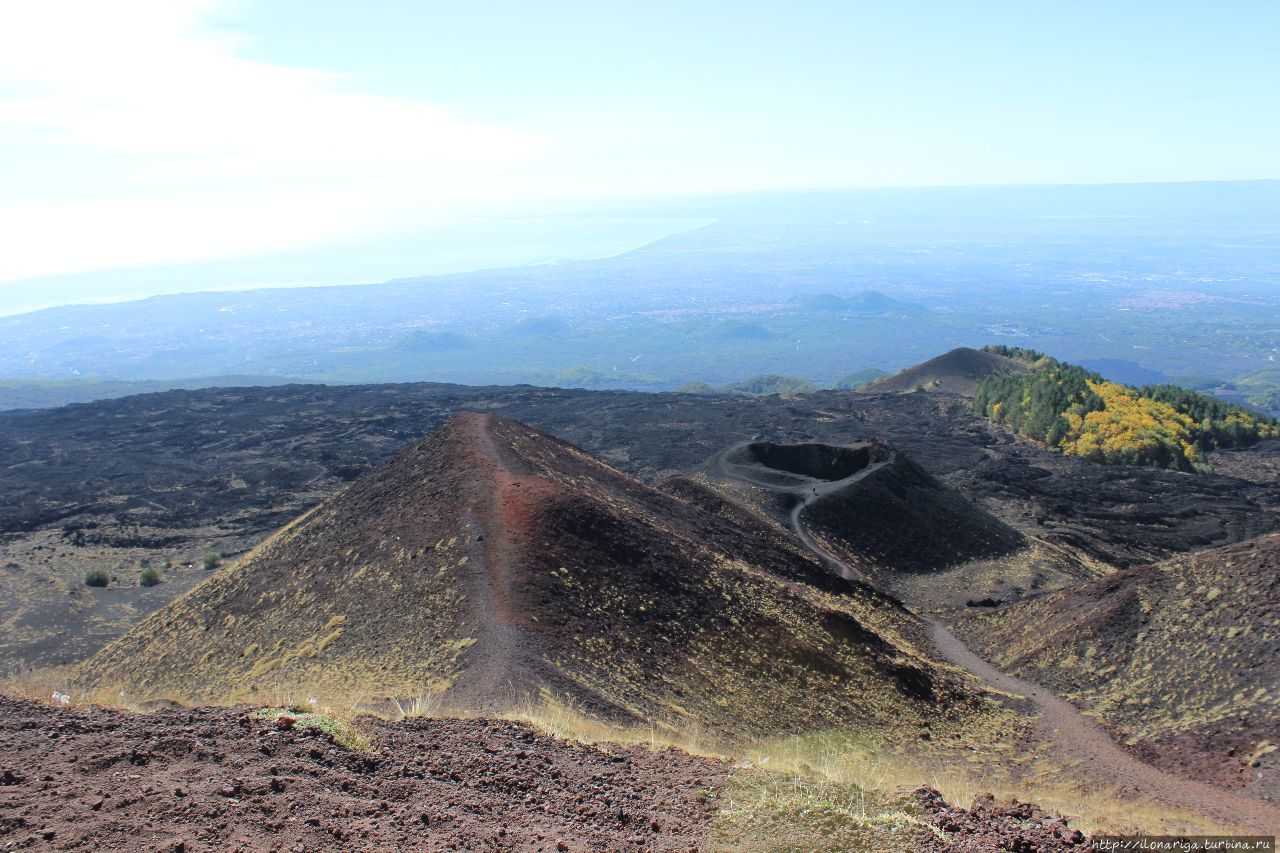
(142, 132)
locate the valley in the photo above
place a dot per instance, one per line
(1144, 283)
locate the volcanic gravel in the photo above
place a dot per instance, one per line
(217, 779)
(995, 826)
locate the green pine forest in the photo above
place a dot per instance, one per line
(1081, 414)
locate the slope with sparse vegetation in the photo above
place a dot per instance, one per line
(1181, 658)
(491, 561)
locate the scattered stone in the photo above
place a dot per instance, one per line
(228, 795)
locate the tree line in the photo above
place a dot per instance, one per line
(1081, 414)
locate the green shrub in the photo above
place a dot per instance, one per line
(344, 733)
(211, 561)
(149, 577)
(96, 577)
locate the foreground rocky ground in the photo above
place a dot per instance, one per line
(219, 779)
(229, 779)
(994, 826)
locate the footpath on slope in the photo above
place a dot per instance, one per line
(1064, 728)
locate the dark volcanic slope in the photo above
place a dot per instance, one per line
(252, 458)
(900, 518)
(957, 372)
(498, 561)
(875, 507)
(176, 474)
(213, 779)
(1182, 658)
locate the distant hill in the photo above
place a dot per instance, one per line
(423, 341)
(957, 372)
(1079, 413)
(1259, 388)
(771, 383)
(866, 302)
(493, 561)
(1182, 658)
(697, 387)
(540, 326)
(44, 394)
(859, 379)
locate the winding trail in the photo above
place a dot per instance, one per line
(1062, 726)
(807, 489)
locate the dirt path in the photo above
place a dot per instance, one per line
(1077, 736)
(1068, 731)
(501, 663)
(808, 490)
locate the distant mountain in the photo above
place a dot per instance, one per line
(423, 341)
(492, 562)
(956, 372)
(866, 302)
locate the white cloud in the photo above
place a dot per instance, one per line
(199, 152)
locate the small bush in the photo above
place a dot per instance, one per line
(96, 577)
(345, 734)
(211, 561)
(149, 577)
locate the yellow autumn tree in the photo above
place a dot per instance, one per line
(1131, 429)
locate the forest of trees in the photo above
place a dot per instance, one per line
(1081, 414)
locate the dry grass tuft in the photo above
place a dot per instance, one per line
(846, 759)
(56, 686)
(430, 704)
(563, 719)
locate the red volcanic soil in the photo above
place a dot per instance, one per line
(216, 779)
(995, 826)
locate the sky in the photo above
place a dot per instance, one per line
(158, 134)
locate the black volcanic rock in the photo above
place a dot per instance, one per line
(219, 469)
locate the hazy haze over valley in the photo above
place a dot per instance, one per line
(623, 200)
(1145, 283)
